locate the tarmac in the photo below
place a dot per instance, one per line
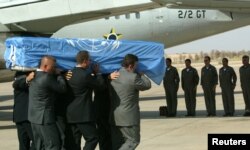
(157, 132)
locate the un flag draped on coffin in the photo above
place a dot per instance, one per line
(24, 53)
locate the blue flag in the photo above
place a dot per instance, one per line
(26, 52)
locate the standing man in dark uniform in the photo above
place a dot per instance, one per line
(245, 83)
(20, 110)
(228, 80)
(189, 82)
(171, 85)
(41, 114)
(80, 112)
(209, 80)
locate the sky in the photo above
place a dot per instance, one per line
(234, 40)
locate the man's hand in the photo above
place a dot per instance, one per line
(30, 76)
(114, 75)
(68, 75)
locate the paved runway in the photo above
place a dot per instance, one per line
(157, 133)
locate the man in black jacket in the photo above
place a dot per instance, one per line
(41, 113)
(20, 110)
(80, 112)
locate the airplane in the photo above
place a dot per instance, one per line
(170, 22)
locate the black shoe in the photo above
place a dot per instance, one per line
(225, 115)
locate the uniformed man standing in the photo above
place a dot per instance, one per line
(228, 80)
(245, 80)
(189, 82)
(209, 80)
(171, 85)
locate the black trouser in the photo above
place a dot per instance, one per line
(104, 133)
(228, 99)
(171, 98)
(46, 136)
(66, 134)
(246, 95)
(88, 131)
(25, 136)
(209, 94)
(190, 99)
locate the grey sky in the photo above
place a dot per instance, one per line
(234, 40)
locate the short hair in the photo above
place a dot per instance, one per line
(245, 57)
(169, 59)
(225, 59)
(82, 56)
(207, 57)
(129, 59)
(46, 57)
(188, 60)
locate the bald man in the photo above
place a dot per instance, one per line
(41, 111)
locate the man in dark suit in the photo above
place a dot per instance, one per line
(80, 112)
(189, 82)
(171, 85)
(209, 81)
(20, 110)
(228, 80)
(125, 111)
(102, 111)
(244, 82)
(43, 90)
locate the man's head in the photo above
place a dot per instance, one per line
(48, 64)
(130, 62)
(225, 62)
(83, 59)
(207, 60)
(188, 63)
(168, 62)
(245, 60)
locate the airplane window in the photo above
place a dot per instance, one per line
(137, 15)
(127, 16)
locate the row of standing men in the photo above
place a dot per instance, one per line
(209, 81)
(55, 113)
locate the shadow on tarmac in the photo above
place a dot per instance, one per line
(7, 127)
(179, 96)
(181, 114)
(6, 98)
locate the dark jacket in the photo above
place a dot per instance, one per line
(209, 76)
(43, 90)
(189, 78)
(82, 83)
(227, 77)
(171, 78)
(21, 97)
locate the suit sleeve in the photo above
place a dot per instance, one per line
(177, 78)
(215, 76)
(196, 77)
(202, 77)
(234, 77)
(20, 82)
(182, 79)
(58, 85)
(142, 83)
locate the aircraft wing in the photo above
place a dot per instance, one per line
(48, 16)
(230, 5)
